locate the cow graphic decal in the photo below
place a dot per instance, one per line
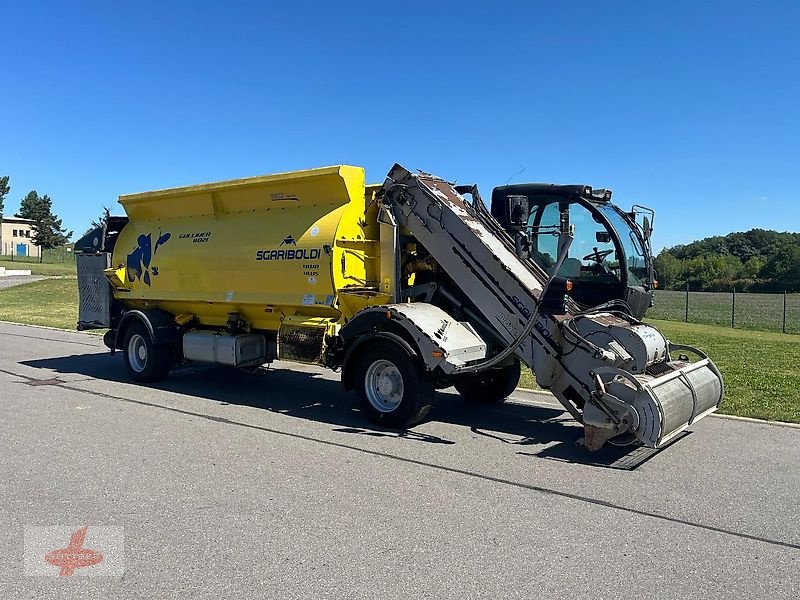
(139, 261)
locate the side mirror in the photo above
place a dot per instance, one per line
(602, 237)
(647, 228)
(517, 210)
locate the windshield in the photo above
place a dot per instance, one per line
(591, 258)
(631, 244)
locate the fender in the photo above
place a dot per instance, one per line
(160, 324)
(347, 363)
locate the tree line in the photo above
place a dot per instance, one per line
(756, 260)
(48, 231)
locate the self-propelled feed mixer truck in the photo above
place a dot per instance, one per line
(404, 287)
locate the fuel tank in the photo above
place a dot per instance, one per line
(266, 247)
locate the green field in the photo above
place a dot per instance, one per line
(49, 302)
(753, 311)
(761, 370)
(58, 268)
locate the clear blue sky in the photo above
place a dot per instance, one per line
(692, 108)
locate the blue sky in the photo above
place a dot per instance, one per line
(692, 108)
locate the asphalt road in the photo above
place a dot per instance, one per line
(8, 281)
(231, 485)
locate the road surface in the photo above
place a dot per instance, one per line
(8, 281)
(274, 486)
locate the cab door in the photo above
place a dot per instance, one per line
(593, 263)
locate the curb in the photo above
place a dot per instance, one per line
(47, 327)
(543, 397)
(753, 420)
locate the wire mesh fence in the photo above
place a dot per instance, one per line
(763, 311)
(11, 252)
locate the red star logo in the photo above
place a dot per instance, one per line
(74, 555)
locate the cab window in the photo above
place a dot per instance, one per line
(592, 254)
(634, 252)
(543, 224)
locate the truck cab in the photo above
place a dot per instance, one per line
(610, 257)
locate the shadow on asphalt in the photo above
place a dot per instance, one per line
(309, 396)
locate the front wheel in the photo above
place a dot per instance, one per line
(393, 390)
(490, 387)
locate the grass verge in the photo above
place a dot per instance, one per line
(761, 369)
(41, 269)
(50, 302)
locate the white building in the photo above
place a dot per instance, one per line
(16, 238)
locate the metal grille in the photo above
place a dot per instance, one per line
(303, 344)
(657, 369)
(94, 291)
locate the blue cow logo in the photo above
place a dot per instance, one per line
(138, 265)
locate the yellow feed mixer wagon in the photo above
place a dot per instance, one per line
(404, 287)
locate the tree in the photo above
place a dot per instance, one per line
(98, 222)
(48, 232)
(750, 269)
(668, 269)
(4, 189)
(784, 268)
(715, 271)
(754, 260)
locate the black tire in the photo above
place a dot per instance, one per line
(383, 362)
(490, 387)
(150, 362)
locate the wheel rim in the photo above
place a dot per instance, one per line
(384, 386)
(137, 353)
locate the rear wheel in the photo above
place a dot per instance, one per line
(393, 390)
(145, 360)
(490, 387)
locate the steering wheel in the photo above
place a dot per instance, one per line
(598, 255)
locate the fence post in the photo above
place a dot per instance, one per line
(687, 302)
(783, 329)
(733, 309)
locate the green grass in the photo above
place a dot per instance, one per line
(50, 302)
(761, 370)
(528, 379)
(66, 268)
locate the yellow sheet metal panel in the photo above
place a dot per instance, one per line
(323, 186)
(356, 259)
(268, 247)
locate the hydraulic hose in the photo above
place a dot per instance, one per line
(506, 352)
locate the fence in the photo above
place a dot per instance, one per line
(8, 251)
(768, 312)
(19, 250)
